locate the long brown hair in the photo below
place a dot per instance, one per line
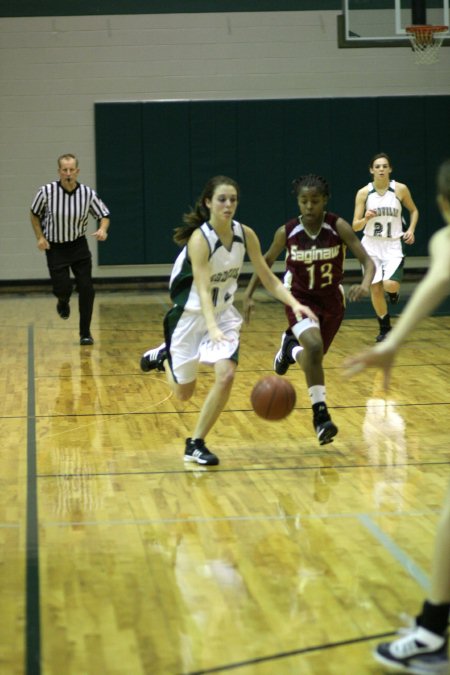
(201, 213)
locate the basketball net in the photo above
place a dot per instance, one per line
(426, 42)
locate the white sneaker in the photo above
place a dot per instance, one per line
(419, 651)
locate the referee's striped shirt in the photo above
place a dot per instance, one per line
(64, 215)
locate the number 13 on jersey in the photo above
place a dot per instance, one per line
(320, 275)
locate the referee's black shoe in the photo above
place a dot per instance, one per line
(86, 340)
(63, 309)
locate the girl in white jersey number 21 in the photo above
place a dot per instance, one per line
(378, 211)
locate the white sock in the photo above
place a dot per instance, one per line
(295, 351)
(317, 393)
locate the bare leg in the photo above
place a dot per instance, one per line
(183, 392)
(215, 400)
(310, 360)
(378, 299)
(311, 357)
(217, 397)
(440, 580)
(391, 286)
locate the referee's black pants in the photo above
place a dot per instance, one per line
(75, 256)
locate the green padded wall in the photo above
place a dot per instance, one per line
(166, 175)
(260, 152)
(89, 7)
(153, 159)
(354, 139)
(437, 149)
(213, 140)
(120, 159)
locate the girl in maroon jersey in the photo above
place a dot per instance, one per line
(315, 243)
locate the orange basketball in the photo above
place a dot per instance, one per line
(273, 397)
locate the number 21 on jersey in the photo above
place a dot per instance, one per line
(378, 230)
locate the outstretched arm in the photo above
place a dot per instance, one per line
(277, 245)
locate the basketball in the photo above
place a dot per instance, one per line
(273, 398)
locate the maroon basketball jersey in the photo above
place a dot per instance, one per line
(314, 264)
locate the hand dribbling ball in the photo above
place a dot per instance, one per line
(273, 398)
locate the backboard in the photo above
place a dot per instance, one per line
(372, 23)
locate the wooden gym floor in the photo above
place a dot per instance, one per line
(116, 558)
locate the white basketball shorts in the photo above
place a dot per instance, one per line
(190, 343)
(387, 254)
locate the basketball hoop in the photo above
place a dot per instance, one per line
(426, 41)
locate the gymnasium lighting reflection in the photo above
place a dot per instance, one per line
(384, 431)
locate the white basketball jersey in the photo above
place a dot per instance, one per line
(224, 265)
(388, 222)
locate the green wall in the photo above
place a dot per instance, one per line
(111, 7)
(153, 159)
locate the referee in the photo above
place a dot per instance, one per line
(59, 216)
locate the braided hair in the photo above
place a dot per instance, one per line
(311, 180)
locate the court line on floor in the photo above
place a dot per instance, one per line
(33, 626)
(200, 473)
(194, 411)
(396, 552)
(283, 655)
